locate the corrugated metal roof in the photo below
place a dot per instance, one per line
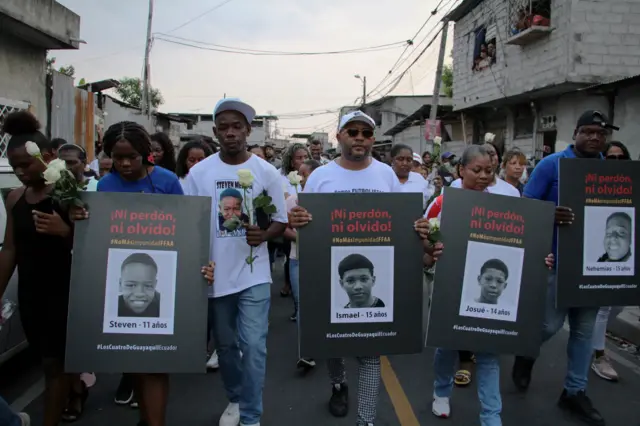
(614, 82)
(459, 12)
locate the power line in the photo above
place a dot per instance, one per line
(218, 6)
(254, 52)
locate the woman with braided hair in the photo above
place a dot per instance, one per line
(129, 146)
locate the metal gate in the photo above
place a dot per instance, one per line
(7, 106)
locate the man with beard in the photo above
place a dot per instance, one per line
(355, 171)
(617, 238)
(315, 147)
(242, 294)
(590, 136)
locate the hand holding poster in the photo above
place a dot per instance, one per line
(495, 303)
(361, 277)
(596, 254)
(138, 301)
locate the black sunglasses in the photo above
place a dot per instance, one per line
(617, 157)
(355, 132)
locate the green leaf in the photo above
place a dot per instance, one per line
(262, 201)
(270, 209)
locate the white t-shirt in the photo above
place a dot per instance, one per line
(292, 201)
(500, 187)
(378, 177)
(95, 166)
(416, 183)
(286, 185)
(213, 178)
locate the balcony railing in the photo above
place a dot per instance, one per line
(529, 21)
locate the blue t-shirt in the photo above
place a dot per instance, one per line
(543, 183)
(159, 181)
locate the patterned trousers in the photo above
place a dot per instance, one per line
(368, 385)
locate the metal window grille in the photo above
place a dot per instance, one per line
(523, 14)
(7, 106)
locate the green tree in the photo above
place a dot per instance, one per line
(82, 82)
(447, 80)
(130, 91)
(68, 71)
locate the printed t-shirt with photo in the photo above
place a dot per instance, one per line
(377, 177)
(216, 179)
(500, 187)
(416, 183)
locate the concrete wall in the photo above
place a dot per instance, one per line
(627, 111)
(115, 113)
(592, 41)
(46, 16)
(23, 74)
(570, 107)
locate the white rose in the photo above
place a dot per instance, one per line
(294, 178)
(434, 224)
(52, 175)
(437, 140)
(32, 149)
(245, 178)
(57, 164)
(489, 137)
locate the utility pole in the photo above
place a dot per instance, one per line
(146, 89)
(436, 89)
(364, 90)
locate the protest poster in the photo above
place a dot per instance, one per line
(138, 300)
(596, 254)
(490, 284)
(360, 275)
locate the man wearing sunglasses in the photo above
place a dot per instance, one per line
(355, 171)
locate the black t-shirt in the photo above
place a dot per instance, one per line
(377, 304)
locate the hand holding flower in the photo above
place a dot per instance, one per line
(255, 235)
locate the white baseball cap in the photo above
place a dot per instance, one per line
(235, 104)
(416, 157)
(356, 116)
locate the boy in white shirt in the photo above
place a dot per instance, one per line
(242, 295)
(354, 172)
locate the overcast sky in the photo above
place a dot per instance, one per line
(192, 80)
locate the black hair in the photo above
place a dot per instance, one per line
(620, 145)
(143, 258)
(468, 155)
(24, 127)
(495, 264)
(376, 155)
(425, 153)
(82, 154)
(57, 143)
(315, 142)
(287, 157)
(395, 150)
(231, 192)
(169, 158)
(619, 215)
(261, 148)
(313, 164)
(354, 261)
(181, 166)
(131, 132)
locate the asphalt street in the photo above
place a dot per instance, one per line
(295, 399)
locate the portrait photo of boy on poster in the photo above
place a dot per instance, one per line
(362, 284)
(140, 292)
(609, 241)
(492, 278)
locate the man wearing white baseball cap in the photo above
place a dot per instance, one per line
(242, 294)
(355, 171)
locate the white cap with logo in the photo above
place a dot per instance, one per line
(417, 158)
(356, 116)
(235, 104)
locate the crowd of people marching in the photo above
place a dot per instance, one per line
(39, 243)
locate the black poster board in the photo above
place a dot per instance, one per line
(138, 300)
(349, 234)
(490, 285)
(596, 254)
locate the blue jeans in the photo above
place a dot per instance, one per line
(7, 416)
(241, 322)
(294, 274)
(579, 346)
(487, 375)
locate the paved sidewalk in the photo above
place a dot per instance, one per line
(627, 325)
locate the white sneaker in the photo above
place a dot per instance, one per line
(441, 407)
(231, 415)
(212, 363)
(25, 420)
